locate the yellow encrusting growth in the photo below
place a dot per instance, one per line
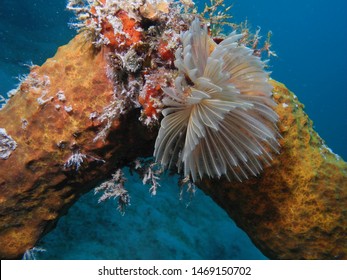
(297, 208)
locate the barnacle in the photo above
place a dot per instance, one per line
(218, 118)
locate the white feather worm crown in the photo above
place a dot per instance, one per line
(218, 118)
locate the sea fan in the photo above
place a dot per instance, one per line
(218, 118)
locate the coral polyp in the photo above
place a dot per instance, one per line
(219, 118)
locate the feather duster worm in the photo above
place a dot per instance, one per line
(218, 118)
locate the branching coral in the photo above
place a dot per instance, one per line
(253, 40)
(114, 188)
(218, 119)
(149, 172)
(217, 16)
(75, 161)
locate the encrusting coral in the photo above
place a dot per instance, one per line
(95, 107)
(56, 159)
(296, 209)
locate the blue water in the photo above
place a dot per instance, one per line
(310, 39)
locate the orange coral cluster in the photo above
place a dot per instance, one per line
(130, 27)
(152, 91)
(117, 40)
(147, 100)
(165, 53)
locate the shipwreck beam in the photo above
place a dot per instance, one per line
(295, 210)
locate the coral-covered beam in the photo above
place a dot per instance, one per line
(52, 157)
(296, 209)
(49, 157)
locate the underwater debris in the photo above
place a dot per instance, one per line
(114, 188)
(218, 118)
(7, 144)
